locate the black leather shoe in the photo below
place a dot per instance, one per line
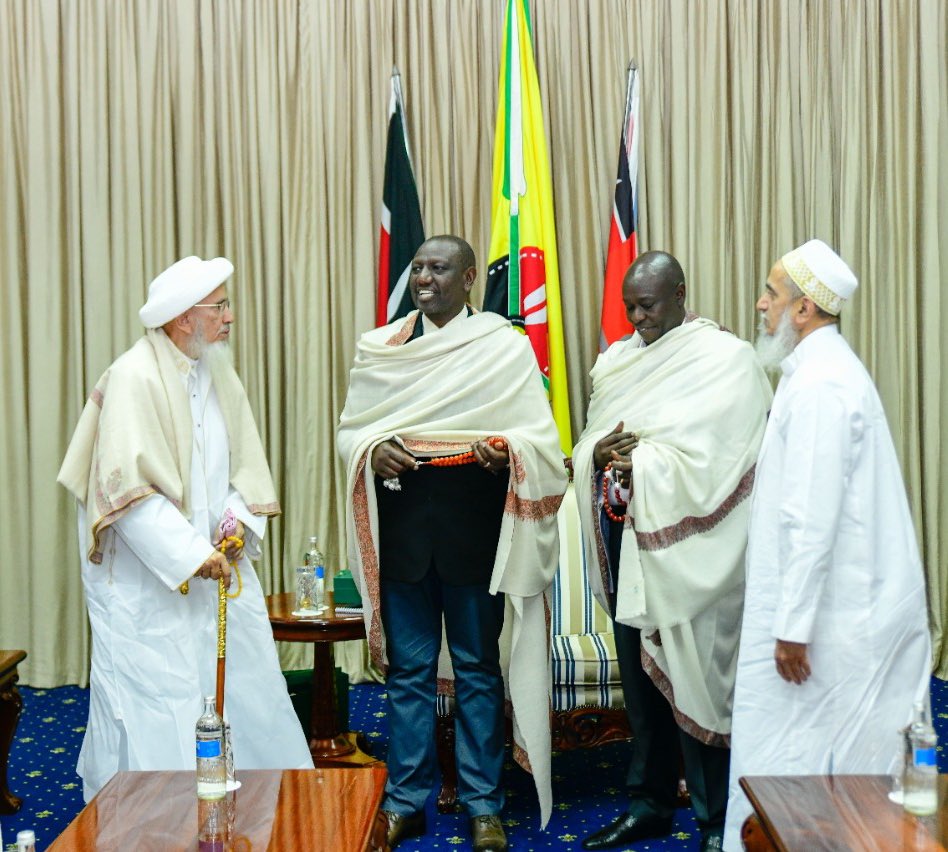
(627, 829)
(488, 834)
(403, 826)
(712, 843)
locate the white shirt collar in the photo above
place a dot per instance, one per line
(806, 347)
(429, 327)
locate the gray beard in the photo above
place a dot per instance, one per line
(216, 352)
(773, 348)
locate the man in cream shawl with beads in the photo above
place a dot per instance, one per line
(470, 538)
(675, 421)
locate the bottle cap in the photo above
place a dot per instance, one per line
(25, 836)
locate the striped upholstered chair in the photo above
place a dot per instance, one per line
(587, 705)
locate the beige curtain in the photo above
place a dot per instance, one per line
(135, 133)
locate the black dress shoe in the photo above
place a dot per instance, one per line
(403, 826)
(627, 829)
(712, 843)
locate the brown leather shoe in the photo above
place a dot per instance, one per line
(403, 826)
(488, 834)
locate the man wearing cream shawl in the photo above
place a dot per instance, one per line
(165, 447)
(675, 420)
(472, 543)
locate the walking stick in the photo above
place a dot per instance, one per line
(228, 530)
(221, 643)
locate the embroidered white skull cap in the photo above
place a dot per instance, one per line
(181, 286)
(821, 274)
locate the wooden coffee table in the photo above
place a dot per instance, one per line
(328, 745)
(306, 810)
(838, 813)
(11, 704)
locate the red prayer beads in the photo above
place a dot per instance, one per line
(606, 506)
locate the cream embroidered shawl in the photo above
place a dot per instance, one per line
(698, 401)
(443, 391)
(134, 439)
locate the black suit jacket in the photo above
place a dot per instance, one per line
(445, 518)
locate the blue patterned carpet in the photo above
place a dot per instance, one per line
(588, 786)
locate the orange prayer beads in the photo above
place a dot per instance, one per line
(496, 442)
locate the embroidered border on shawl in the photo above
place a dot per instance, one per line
(129, 501)
(519, 754)
(686, 723)
(687, 527)
(370, 562)
(268, 509)
(417, 445)
(600, 544)
(516, 465)
(532, 510)
(404, 332)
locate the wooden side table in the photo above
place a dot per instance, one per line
(316, 810)
(837, 813)
(328, 745)
(11, 705)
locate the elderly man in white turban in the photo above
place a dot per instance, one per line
(166, 449)
(835, 644)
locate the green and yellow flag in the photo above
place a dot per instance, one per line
(523, 279)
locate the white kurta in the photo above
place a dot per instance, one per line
(832, 561)
(154, 650)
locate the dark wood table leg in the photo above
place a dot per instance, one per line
(326, 740)
(11, 705)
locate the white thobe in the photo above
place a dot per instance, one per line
(832, 561)
(154, 650)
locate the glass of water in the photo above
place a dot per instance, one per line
(305, 588)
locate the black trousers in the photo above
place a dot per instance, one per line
(657, 741)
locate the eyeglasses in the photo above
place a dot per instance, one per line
(221, 306)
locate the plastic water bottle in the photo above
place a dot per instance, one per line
(319, 589)
(25, 841)
(920, 781)
(314, 559)
(211, 764)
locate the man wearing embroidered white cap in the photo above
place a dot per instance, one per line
(165, 459)
(834, 646)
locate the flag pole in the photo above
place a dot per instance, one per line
(622, 248)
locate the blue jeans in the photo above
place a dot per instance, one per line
(473, 618)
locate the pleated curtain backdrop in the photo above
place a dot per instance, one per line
(135, 133)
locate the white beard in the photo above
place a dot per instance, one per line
(216, 352)
(773, 348)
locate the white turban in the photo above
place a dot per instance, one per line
(821, 274)
(181, 286)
